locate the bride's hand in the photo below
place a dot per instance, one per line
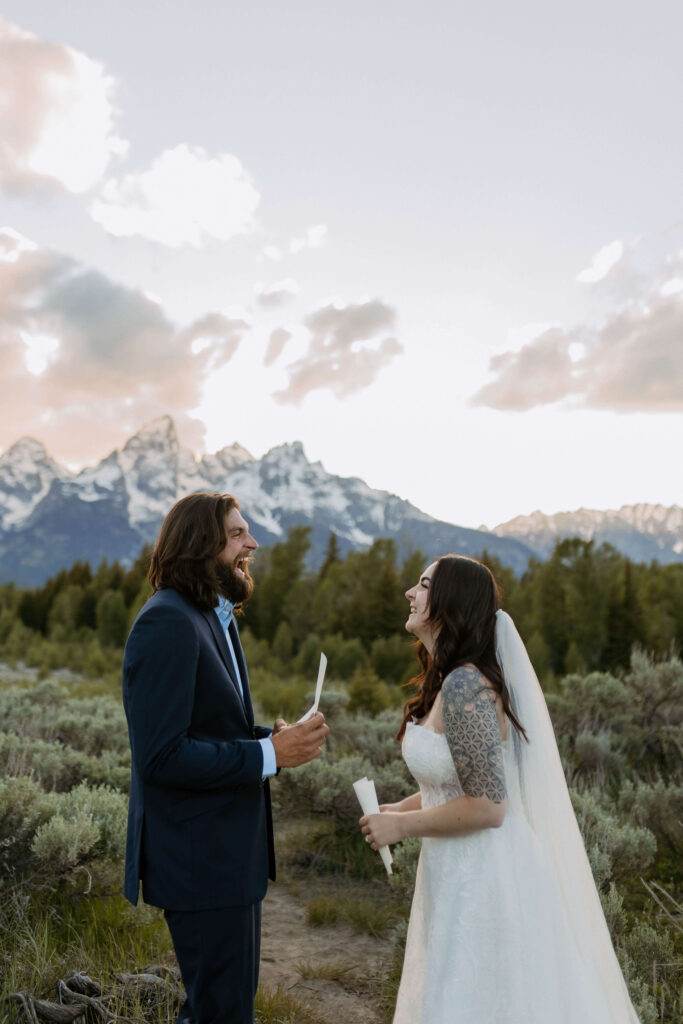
(382, 829)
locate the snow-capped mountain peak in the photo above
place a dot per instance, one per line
(643, 531)
(149, 462)
(26, 474)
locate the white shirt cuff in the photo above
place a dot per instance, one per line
(269, 762)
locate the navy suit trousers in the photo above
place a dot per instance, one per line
(218, 952)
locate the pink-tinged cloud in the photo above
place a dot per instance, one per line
(83, 357)
(345, 353)
(632, 363)
(276, 344)
(57, 115)
(276, 295)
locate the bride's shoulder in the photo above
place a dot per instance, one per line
(465, 683)
(466, 675)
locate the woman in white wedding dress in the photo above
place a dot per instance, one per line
(506, 925)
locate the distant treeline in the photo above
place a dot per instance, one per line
(581, 610)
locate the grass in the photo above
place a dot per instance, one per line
(365, 915)
(326, 970)
(280, 1006)
(47, 935)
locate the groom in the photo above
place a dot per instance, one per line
(200, 834)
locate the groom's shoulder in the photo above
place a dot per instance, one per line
(166, 620)
(166, 604)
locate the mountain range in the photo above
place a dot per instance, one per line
(643, 532)
(50, 516)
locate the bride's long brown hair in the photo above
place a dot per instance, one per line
(463, 600)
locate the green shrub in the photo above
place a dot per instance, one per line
(344, 656)
(368, 693)
(617, 852)
(59, 767)
(307, 660)
(279, 697)
(393, 658)
(61, 844)
(599, 755)
(326, 788)
(372, 738)
(23, 809)
(85, 825)
(48, 711)
(108, 809)
(51, 833)
(659, 807)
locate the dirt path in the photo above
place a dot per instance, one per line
(291, 948)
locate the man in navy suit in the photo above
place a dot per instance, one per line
(200, 835)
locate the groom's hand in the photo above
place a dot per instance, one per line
(300, 743)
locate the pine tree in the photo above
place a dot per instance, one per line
(112, 619)
(332, 556)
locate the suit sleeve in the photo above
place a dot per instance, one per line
(160, 666)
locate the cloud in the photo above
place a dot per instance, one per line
(344, 354)
(603, 262)
(273, 252)
(636, 363)
(632, 363)
(86, 357)
(184, 198)
(276, 344)
(57, 115)
(278, 294)
(540, 373)
(312, 239)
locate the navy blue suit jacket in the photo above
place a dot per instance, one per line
(199, 824)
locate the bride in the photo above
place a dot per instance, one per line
(506, 925)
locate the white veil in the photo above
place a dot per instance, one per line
(550, 813)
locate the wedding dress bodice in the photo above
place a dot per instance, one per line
(428, 757)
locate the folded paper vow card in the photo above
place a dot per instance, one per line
(318, 689)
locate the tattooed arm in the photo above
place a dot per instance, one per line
(471, 726)
(473, 733)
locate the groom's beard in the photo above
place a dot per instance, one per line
(236, 588)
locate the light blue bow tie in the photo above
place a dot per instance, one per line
(224, 611)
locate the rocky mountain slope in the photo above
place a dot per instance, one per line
(642, 532)
(50, 517)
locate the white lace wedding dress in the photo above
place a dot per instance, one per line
(489, 941)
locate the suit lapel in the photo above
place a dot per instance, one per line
(219, 637)
(242, 665)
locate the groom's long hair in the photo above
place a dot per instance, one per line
(185, 556)
(463, 600)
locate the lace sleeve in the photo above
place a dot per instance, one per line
(471, 727)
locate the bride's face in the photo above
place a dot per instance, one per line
(418, 620)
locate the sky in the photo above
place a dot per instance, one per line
(439, 243)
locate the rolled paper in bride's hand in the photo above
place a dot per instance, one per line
(367, 798)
